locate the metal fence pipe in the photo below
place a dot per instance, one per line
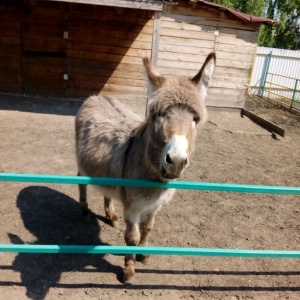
(186, 185)
(79, 249)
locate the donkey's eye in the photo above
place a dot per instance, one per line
(196, 119)
(161, 114)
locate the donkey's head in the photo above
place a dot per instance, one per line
(173, 114)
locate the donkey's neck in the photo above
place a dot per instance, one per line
(137, 161)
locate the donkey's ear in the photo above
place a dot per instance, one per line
(154, 76)
(203, 77)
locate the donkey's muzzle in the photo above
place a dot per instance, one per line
(173, 168)
(175, 157)
(167, 175)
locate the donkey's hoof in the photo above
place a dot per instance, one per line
(114, 221)
(114, 224)
(86, 215)
(128, 275)
(144, 259)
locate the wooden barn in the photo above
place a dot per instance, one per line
(76, 48)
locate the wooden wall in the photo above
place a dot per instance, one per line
(43, 47)
(10, 47)
(105, 47)
(188, 35)
(67, 49)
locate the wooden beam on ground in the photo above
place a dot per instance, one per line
(263, 122)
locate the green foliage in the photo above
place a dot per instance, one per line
(284, 35)
(251, 7)
(227, 3)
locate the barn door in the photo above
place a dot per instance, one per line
(105, 47)
(44, 47)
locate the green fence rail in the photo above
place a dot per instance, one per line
(204, 186)
(59, 179)
(63, 249)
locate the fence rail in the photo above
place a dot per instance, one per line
(63, 249)
(84, 249)
(281, 92)
(204, 186)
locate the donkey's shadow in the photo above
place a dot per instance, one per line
(54, 218)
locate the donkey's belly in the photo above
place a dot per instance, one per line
(145, 201)
(109, 192)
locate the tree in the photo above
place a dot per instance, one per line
(252, 7)
(284, 35)
(227, 3)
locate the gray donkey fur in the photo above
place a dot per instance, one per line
(111, 141)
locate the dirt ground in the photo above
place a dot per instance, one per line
(37, 136)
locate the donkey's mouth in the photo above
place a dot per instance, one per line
(167, 175)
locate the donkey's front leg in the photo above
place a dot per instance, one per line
(145, 228)
(132, 238)
(110, 211)
(83, 199)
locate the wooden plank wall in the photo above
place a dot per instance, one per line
(104, 45)
(188, 35)
(68, 49)
(43, 47)
(10, 47)
(104, 49)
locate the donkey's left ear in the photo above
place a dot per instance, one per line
(154, 76)
(204, 76)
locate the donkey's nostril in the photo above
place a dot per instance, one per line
(168, 159)
(186, 162)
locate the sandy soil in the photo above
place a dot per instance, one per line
(37, 136)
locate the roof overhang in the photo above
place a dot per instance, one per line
(137, 4)
(157, 5)
(237, 14)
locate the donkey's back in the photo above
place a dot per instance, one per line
(103, 128)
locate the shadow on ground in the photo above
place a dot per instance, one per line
(54, 218)
(42, 105)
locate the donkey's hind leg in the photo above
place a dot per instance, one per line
(83, 199)
(110, 211)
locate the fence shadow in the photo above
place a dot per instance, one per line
(54, 218)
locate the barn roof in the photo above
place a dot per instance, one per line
(237, 14)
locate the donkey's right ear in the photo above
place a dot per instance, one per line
(204, 76)
(156, 79)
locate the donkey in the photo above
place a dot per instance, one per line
(112, 141)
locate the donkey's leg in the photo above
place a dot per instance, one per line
(132, 238)
(110, 211)
(145, 228)
(83, 199)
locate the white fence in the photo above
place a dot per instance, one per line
(276, 74)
